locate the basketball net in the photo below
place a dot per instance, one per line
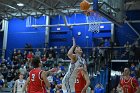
(94, 20)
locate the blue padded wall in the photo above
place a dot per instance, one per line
(124, 33)
(70, 32)
(19, 34)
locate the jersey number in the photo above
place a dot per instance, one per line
(33, 77)
(77, 81)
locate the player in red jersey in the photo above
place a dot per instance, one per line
(37, 80)
(129, 84)
(82, 81)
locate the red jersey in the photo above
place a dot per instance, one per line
(79, 83)
(36, 85)
(129, 86)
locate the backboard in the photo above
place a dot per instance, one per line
(113, 10)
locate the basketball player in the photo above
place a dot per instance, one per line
(82, 82)
(77, 61)
(19, 84)
(129, 84)
(37, 80)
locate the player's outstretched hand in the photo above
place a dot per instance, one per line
(53, 70)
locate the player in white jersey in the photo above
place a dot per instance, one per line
(19, 84)
(76, 63)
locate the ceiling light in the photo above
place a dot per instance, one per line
(20, 4)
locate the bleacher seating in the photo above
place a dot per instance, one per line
(6, 90)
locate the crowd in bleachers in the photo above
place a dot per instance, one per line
(20, 62)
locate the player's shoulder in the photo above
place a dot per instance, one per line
(24, 80)
(133, 79)
(17, 80)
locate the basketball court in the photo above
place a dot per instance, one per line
(106, 30)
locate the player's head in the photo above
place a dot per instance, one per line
(21, 76)
(78, 50)
(36, 62)
(126, 71)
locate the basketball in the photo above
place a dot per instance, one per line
(84, 5)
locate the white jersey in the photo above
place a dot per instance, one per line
(88, 90)
(19, 85)
(68, 82)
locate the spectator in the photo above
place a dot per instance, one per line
(1, 80)
(16, 60)
(3, 62)
(131, 53)
(133, 70)
(44, 52)
(4, 71)
(9, 62)
(37, 53)
(23, 70)
(10, 75)
(52, 52)
(50, 58)
(30, 56)
(25, 55)
(50, 78)
(127, 49)
(60, 68)
(14, 54)
(62, 52)
(107, 43)
(19, 54)
(44, 59)
(101, 42)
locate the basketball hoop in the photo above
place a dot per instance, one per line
(94, 20)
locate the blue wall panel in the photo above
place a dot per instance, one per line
(105, 26)
(80, 40)
(19, 34)
(124, 33)
(102, 35)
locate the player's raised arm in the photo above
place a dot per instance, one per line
(70, 54)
